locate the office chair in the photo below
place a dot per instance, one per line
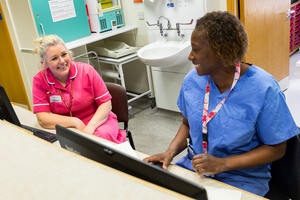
(285, 182)
(120, 106)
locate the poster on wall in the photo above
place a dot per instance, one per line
(62, 10)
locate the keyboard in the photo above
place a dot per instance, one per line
(45, 135)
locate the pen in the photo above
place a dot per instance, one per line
(189, 146)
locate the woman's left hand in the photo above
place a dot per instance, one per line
(89, 130)
(208, 164)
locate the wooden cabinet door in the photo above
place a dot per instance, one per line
(268, 30)
(10, 75)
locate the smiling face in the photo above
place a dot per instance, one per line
(58, 61)
(206, 62)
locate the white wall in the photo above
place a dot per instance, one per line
(135, 73)
(130, 11)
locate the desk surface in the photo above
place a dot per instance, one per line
(34, 169)
(74, 172)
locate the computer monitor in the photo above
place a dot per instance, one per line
(6, 110)
(106, 155)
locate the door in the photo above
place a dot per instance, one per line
(10, 75)
(268, 30)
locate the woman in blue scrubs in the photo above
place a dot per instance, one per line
(235, 118)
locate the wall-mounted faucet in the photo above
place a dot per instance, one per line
(169, 26)
(159, 24)
(161, 31)
(169, 23)
(178, 28)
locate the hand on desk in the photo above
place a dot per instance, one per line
(164, 158)
(49, 120)
(79, 124)
(89, 130)
(208, 164)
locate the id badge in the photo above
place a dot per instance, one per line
(55, 98)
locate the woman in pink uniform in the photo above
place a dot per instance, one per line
(71, 94)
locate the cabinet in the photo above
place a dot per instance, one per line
(295, 27)
(67, 19)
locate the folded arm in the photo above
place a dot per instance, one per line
(99, 118)
(49, 120)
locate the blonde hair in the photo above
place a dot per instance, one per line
(44, 43)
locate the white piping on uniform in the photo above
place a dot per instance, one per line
(75, 73)
(43, 104)
(101, 96)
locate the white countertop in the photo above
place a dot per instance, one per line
(99, 36)
(94, 37)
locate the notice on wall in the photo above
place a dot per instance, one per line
(62, 10)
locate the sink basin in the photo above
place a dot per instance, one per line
(165, 53)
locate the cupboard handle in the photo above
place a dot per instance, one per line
(41, 25)
(289, 12)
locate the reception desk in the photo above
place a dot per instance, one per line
(32, 168)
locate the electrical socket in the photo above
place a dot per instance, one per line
(141, 15)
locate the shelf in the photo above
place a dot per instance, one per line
(99, 36)
(294, 4)
(118, 74)
(94, 37)
(293, 51)
(123, 60)
(294, 25)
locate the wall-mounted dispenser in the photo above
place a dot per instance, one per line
(104, 15)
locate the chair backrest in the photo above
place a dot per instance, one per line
(119, 101)
(286, 171)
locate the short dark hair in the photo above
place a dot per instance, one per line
(226, 36)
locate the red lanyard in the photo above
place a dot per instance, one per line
(69, 107)
(207, 117)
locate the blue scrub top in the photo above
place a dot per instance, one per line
(255, 113)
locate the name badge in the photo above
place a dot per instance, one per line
(55, 98)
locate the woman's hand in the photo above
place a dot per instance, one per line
(78, 124)
(89, 130)
(208, 164)
(164, 158)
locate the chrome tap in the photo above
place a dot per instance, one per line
(178, 28)
(161, 29)
(163, 17)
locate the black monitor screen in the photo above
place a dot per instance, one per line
(6, 110)
(106, 155)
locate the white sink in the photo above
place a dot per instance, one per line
(165, 53)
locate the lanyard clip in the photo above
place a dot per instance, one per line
(205, 137)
